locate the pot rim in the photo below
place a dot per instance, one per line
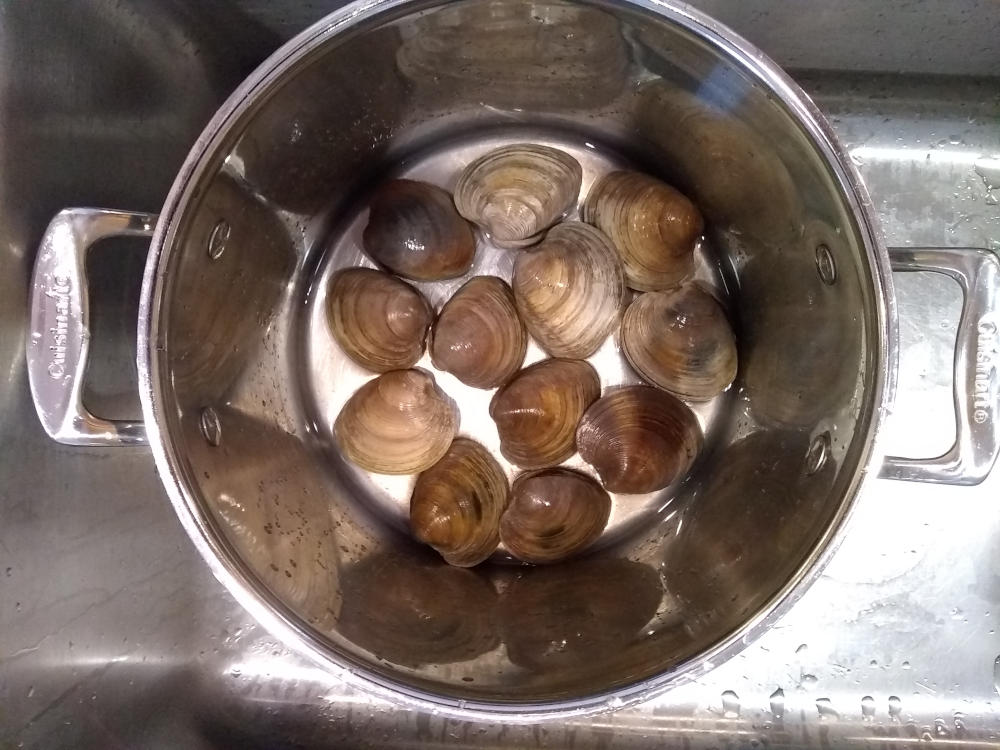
(275, 616)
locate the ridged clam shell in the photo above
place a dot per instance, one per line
(414, 231)
(681, 341)
(639, 439)
(516, 192)
(537, 411)
(570, 290)
(457, 503)
(398, 423)
(478, 336)
(653, 226)
(379, 321)
(553, 514)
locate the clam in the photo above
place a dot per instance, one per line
(653, 226)
(414, 231)
(536, 413)
(379, 321)
(478, 336)
(570, 290)
(517, 192)
(457, 504)
(639, 439)
(553, 514)
(398, 423)
(681, 341)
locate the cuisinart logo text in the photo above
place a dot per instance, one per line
(987, 350)
(59, 291)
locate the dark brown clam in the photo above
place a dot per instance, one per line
(653, 226)
(681, 341)
(516, 192)
(553, 514)
(570, 289)
(639, 439)
(457, 503)
(398, 423)
(414, 231)
(379, 321)
(478, 336)
(536, 413)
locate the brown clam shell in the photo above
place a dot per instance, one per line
(457, 503)
(414, 231)
(398, 423)
(681, 341)
(379, 321)
(516, 192)
(639, 439)
(553, 514)
(653, 226)
(478, 336)
(536, 413)
(570, 290)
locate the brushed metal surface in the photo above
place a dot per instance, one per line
(112, 631)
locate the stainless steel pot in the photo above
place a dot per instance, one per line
(239, 384)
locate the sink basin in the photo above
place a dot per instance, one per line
(112, 631)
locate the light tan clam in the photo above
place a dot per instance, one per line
(478, 336)
(398, 423)
(536, 413)
(653, 226)
(570, 290)
(379, 321)
(457, 503)
(517, 192)
(639, 439)
(414, 231)
(553, 514)
(681, 341)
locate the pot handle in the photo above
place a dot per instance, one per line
(977, 359)
(60, 328)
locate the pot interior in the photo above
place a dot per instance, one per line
(247, 382)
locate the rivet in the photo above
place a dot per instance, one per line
(819, 453)
(825, 265)
(218, 239)
(210, 427)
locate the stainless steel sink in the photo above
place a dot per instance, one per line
(113, 633)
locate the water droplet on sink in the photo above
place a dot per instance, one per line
(895, 707)
(778, 703)
(730, 705)
(808, 681)
(867, 708)
(31, 690)
(826, 710)
(905, 665)
(988, 168)
(802, 650)
(996, 674)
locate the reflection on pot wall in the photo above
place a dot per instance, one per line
(516, 56)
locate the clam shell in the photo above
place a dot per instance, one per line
(570, 290)
(517, 192)
(379, 321)
(653, 226)
(478, 336)
(457, 504)
(398, 423)
(681, 341)
(536, 413)
(553, 514)
(639, 439)
(414, 231)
